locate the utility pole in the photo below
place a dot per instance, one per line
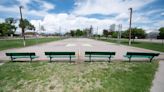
(22, 25)
(97, 32)
(60, 31)
(90, 31)
(130, 23)
(119, 33)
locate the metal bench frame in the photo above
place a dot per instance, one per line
(131, 55)
(91, 54)
(15, 55)
(69, 55)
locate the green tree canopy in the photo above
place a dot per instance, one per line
(26, 25)
(161, 32)
(8, 27)
(135, 32)
(10, 20)
(105, 33)
(79, 32)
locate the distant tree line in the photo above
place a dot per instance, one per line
(135, 33)
(138, 33)
(161, 33)
(87, 32)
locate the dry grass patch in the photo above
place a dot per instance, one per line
(85, 77)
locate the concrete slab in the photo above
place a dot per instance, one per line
(158, 82)
(78, 45)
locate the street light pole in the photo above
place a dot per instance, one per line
(22, 25)
(130, 23)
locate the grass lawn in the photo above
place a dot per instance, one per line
(15, 43)
(146, 45)
(85, 77)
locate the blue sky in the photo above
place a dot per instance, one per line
(72, 14)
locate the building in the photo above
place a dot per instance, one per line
(112, 27)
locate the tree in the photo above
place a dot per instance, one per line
(4, 29)
(115, 34)
(72, 32)
(79, 32)
(125, 34)
(85, 32)
(26, 25)
(105, 33)
(10, 20)
(136, 32)
(7, 29)
(139, 33)
(161, 33)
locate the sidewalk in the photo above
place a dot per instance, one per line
(158, 82)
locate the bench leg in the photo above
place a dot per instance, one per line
(129, 59)
(12, 59)
(151, 59)
(50, 59)
(31, 59)
(90, 59)
(70, 59)
(109, 59)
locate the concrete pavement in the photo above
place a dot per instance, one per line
(79, 45)
(158, 82)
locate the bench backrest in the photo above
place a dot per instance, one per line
(99, 53)
(142, 53)
(59, 53)
(21, 54)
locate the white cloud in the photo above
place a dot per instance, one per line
(75, 19)
(116, 7)
(141, 19)
(45, 7)
(48, 6)
(154, 11)
(52, 22)
(106, 7)
(122, 16)
(24, 2)
(13, 9)
(161, 23)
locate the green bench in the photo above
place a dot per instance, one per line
(30, 55)
(150, 56)
(69, 55)
(91, 55)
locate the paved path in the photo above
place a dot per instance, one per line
(158, 82)
(79, 45)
